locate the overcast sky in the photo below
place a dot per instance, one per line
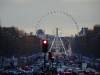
(25, 14)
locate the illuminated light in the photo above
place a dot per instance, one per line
(45, 42)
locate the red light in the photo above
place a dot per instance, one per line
(45, 42)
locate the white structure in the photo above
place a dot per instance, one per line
(57, 44)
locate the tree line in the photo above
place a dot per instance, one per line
(15, 42)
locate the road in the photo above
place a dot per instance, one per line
(58, 66)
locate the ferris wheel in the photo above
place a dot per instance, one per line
(57, 42)
(57, 19)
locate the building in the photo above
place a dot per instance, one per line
(87, 42)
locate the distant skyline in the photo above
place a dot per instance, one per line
(25, 14)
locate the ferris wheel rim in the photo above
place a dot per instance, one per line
(64, 13)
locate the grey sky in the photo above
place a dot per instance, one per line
(25, 13)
